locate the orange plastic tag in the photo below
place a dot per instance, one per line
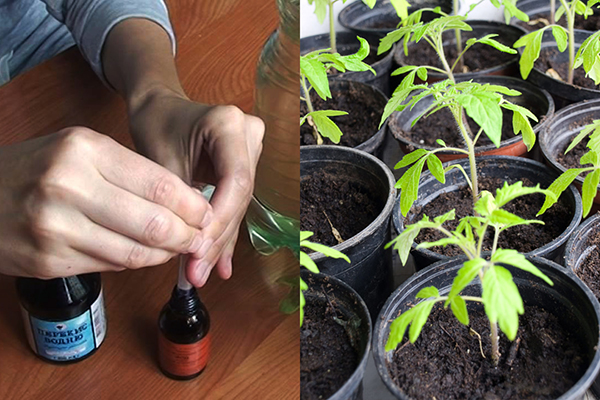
(183, 359)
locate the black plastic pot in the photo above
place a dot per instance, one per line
(370, 270)
(537, 100)
(504, 167)
(565, 125)
(562, 93)
(569, 300)
(369, 95)
(373, 24)
(507, 34)
(349, 307)
(578, 249)
(347, 43)
(534, 7)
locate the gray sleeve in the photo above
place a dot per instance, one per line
(90, 21)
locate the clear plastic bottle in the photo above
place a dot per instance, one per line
(274, 213)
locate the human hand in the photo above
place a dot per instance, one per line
(77, 201)
(219, 145)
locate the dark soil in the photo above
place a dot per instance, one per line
(442, 125)
(571, 159)
(327, 358)
(477, 58)
(446, 362)
(548, 59)
(361, 123)
(524, 238)
(589, 271)
(350, 204)
(592, 23)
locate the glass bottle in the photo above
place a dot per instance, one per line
(64, 317)
(274, 213)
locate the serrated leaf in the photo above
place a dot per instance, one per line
(459, 309)
(591, 157)
(420, 318)
(560, 36)
(533, 45)
(502, 217)
(484, 109)
(316, 74)
(308, 263)
(521, 123)
(403, 242)
(518, 260)
(464, 276)
(495, 44)
(436, 168)
(427, 292)
(485, 205)
(401, 7)
(501, 300)
(558, 186)
(510, 10)
(398, 329)
(589, 190)
(410, 158)
(508, 192)
(582, 134)
(409, 185)
(386, 42)
(329, 252)
(326, 127)
(354, 62)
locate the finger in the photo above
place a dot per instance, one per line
(224, 265)
(111, 247)
(144, 178)
(143, 221)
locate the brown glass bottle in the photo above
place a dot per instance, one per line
(184, 339)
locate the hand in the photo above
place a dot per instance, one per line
(219, 145)
(77, 201)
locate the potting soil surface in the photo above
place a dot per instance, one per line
(327, 358)
(332, 196)
(592, 23)
(357, 127)
(589, 271)
(523, 238)
(446, 361)
(548, 60)
(478, 57)
(442, 125)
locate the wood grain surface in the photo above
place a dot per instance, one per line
(255, 353)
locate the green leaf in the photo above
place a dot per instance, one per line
(401, 7)
(409, 185)
(510, 10)
(502, 217)
(326, 127)
(521, 124)
(511, 192)
(595, 125)
(308, 263)
(533, 45)
(500, 89)
(501, 300)
(428, 292)
(459, 309)
(422, 73)
(354, 62)
(588, 55)
(486, 204)
(464, 276)
(560, 35)
(441, 142)
(404, 69)
(423, 309)
(518, 260)
(495, 44)
(316, 74)
(559, 13)
(410, 158)
(484, 109)
(386, 43)
(558, 186)
(369, 3)
(442, 242)
(320, 9)
(329, 252)
(436, 168)
(589, 190)
(303, 286)
(398, 329)
(305, 235)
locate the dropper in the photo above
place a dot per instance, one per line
(182, 282)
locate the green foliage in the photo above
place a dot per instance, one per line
(588, 55)
(308, 263)
(499, 294)
(313, 68)
(321, 7)
(590, 183)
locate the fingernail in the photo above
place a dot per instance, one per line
(196, 244)
(204, 248)
(208, 216)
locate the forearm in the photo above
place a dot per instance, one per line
(138, 61)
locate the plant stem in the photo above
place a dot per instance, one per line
(458, 115)
(552, 11)
(440, 51)
(495, 348)
(309, 105)
(458, 38)
(570, 15)
(495, 244)
(332, 29)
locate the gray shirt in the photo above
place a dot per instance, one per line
(32, 31)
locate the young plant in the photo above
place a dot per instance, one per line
(590, 183)
(588, 53)
(309, 264)
(313, 75)
(482, 102)
(499, 294)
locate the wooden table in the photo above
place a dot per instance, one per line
(255, 348)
